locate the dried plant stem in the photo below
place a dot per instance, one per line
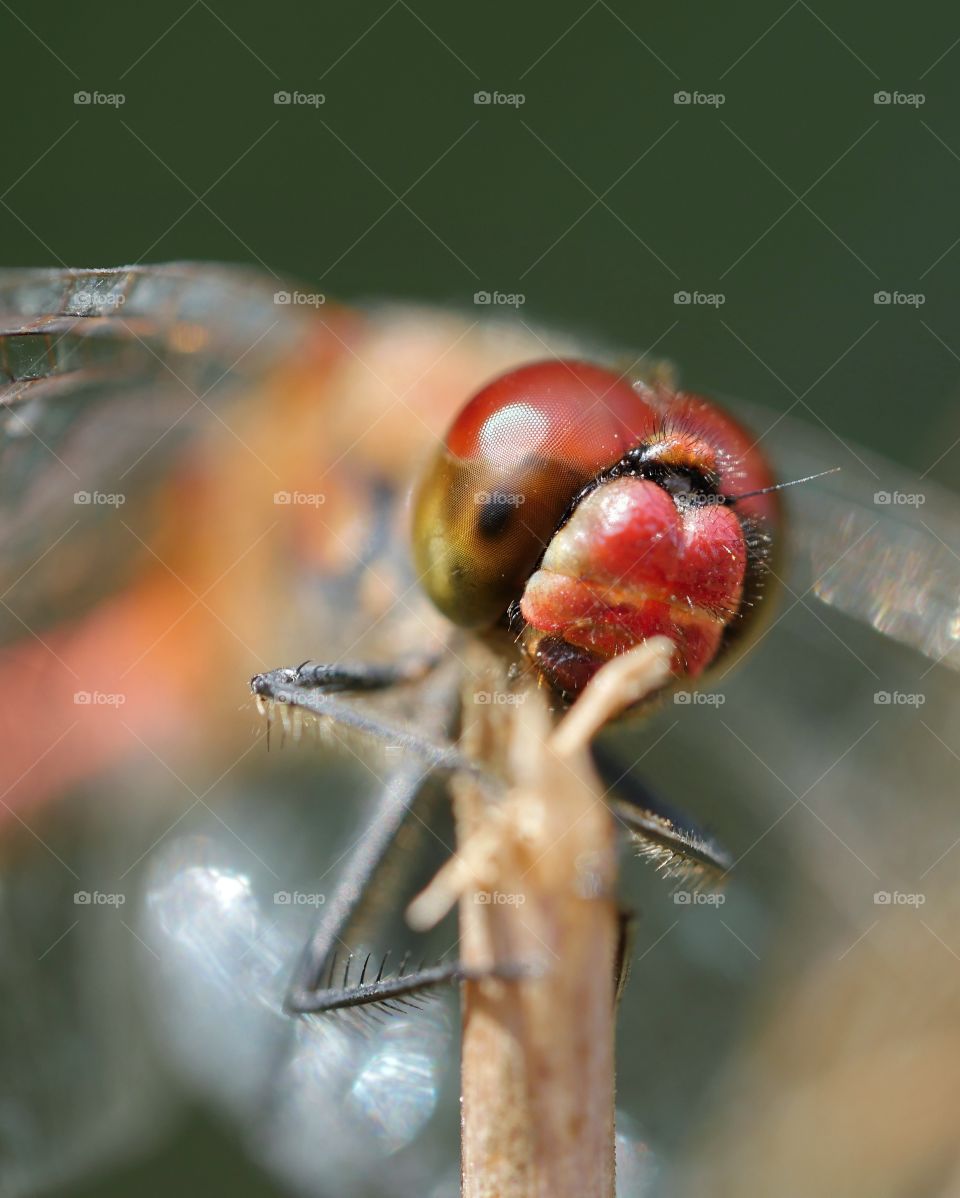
(538, 1053)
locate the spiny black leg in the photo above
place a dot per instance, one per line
(669, 838)
(357, 890)
(680, 851)
(345, 676)
(296, 688)
(381, 991)
(395, 808)
(367, 879)
(365, 676)
(388, 992)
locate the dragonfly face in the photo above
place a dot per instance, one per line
(266, 457)
(593, 514)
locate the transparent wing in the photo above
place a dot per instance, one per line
(104, 375)
(873, 541)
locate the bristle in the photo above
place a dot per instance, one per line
(696, 873)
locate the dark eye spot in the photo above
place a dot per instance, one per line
(494, 516)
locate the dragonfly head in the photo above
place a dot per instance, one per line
(592, 513)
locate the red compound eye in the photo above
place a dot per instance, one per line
(604, 508)
(515, 458)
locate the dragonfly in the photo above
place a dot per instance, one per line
(204, 474)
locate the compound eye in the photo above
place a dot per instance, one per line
(494, 516)
(514, 459)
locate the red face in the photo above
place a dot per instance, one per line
(592, 514)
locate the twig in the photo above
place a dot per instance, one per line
(538, 1054)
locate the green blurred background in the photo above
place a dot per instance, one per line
(597, 198)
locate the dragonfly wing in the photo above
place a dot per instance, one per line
(872, 540)
(104, 374)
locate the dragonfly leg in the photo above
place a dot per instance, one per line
(369, 881)
(320, 983)
(668, 838)
(346, 676)
(357, 893)
(392, 993)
